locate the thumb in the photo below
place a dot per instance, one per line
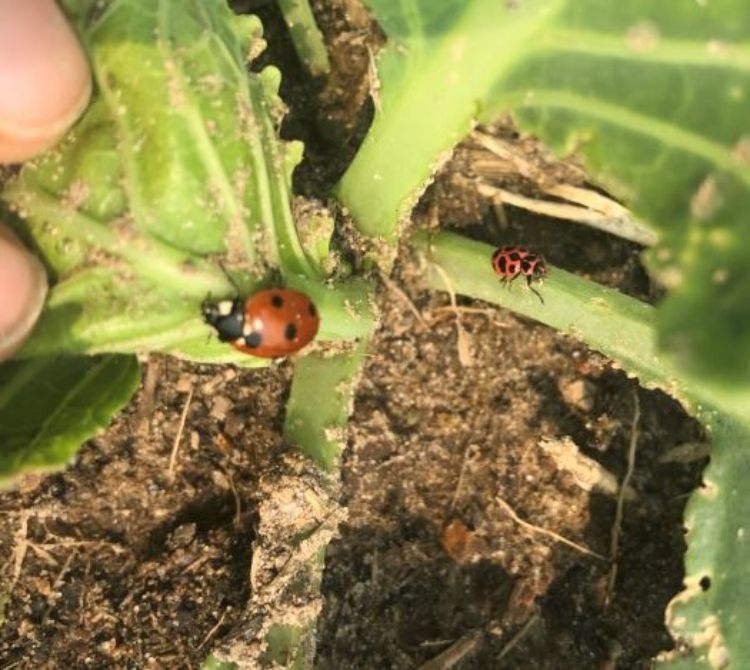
(44, 78)
(23, 286)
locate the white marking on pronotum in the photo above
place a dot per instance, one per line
(224, 308)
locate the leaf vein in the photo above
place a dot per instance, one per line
(666, 132)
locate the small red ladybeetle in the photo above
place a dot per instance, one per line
(270, 323)
(512, 262)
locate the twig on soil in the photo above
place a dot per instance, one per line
(58, 582)
(462, 339)
(620, 225)
(548, 533)
(146, 403)
(41, 552)
(256, 565)
(500, 221)
(454, 654)
(213, 630)
(237, 501)
(614, 546)
(199, 561)
(226, 481)
(22, 544)
(438, 313)
(590, 207)
(178, 437)
(592, 200)
(460, 483)
(588, 474)
(62, 541)
(19, 551)
(518, 636)
(509, 155)
(42, 547)
(689, 452)
(400, 293)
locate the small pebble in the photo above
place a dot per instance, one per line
(580, 394)
(220, 406)
(184, 384)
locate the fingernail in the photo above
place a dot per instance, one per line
(45, 81)
(23, 287)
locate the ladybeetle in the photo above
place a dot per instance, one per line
(270, 323)
(512, 262)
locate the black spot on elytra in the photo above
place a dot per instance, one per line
(312, 310)
(253, 339)
(277, 301)
(291, 332)
(502, 264)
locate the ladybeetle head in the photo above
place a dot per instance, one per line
(268, 324)
(533, 266)
(227, 317)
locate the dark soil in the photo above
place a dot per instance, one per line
(118, 562)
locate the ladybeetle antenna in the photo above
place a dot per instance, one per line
(229, 277)
(528, 283)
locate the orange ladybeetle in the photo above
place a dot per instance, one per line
(270, 323)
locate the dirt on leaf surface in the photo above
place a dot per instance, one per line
(475, 537)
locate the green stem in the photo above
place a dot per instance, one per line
(620, 327)
(320, 403)
(434, 82)
(717, 562)
(307, 38)
(271, 172)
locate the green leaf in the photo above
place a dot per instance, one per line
(287, 646)
(654, 96)
(320, 403)
(711, 615)
(48, 406)
(176, 160)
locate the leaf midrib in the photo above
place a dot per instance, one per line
(666, 51)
